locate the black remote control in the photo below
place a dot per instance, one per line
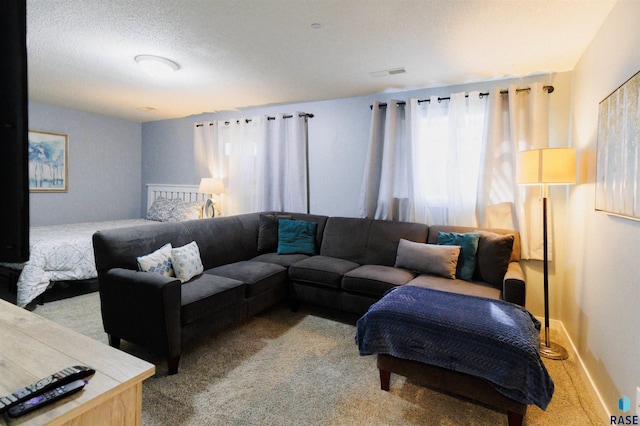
(46, 398)
(45, 384)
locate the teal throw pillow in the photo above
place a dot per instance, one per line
(468, 243)
(296, 237)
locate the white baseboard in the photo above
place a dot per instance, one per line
(591, 386)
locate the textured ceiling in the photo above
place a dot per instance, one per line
(241, 53)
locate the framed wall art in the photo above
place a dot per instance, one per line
(48, 168)
(618, 151)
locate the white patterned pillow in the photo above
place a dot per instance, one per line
(162, 209)
(186, 211)
(186, 261)
(158, 262)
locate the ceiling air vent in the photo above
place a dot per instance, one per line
(384, 73)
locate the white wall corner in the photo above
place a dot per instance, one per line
(601, 406)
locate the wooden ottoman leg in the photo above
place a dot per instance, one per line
(515, 419)
(385, 379)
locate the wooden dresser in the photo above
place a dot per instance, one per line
(32, 347)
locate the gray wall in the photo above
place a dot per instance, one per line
(104, 160)
(338, 138)
(601, 290)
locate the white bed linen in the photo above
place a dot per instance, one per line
(61, 253)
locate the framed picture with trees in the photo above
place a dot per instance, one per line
(48, 169)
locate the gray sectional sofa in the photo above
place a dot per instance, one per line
(346, 264)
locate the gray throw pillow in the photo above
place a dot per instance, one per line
(428, 258)
(493, 256)
(268, 232)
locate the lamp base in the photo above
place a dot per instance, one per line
(553, 351)
(209, 208)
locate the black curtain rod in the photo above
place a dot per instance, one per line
(549, 89)
(248, 120)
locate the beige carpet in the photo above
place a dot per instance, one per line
(285, 368)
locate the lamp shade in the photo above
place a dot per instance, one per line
(548, 166)
(211, 186)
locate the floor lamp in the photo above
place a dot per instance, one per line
(544, 167)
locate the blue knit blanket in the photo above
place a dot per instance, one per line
(491, 339)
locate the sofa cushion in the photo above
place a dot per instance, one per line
(494, 254)
(428, 258)
(384, 236)
(321, 270)
(225, 239)
(119, 247)
(368, 241)
(208, 293)
(285, 260)
(296, 237)
(345, 238)
(476, 288)
(468, 243)
(258, 276)
(374, 280)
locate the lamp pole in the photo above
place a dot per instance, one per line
(548, 349)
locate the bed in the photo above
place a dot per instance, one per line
(64, 253)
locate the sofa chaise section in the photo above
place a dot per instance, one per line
(497, 256)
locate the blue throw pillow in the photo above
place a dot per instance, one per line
(468, 243)
(296, 237)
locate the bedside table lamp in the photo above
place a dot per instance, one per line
(544, 167)
(211, 186)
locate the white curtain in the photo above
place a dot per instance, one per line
(370, 187)
(423, 161)
(206, 162)
(530, 130)
(462, 164)
(515, 122)
(282, 165)
(240, 140)
(447, 142)
(262, 161)
(388, 180)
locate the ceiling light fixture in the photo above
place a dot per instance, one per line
(157, 66)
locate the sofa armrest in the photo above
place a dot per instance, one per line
(513, 285)
(142, 307)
